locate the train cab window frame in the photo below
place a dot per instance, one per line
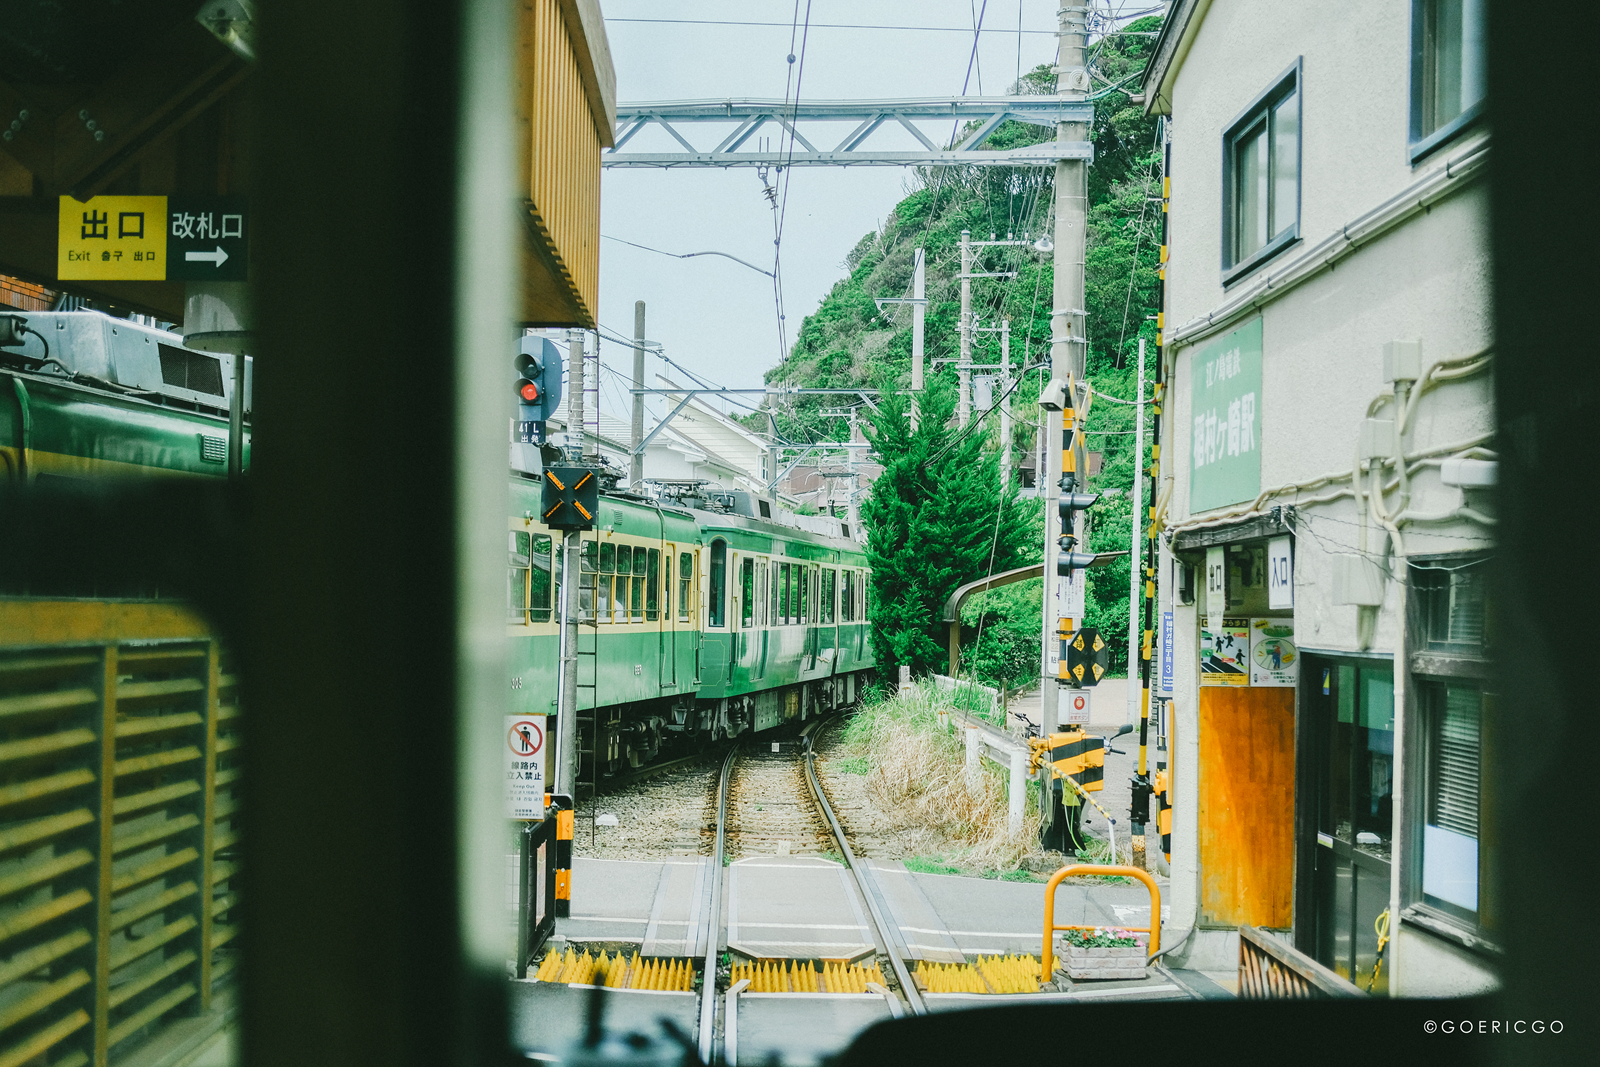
(519, 561)
(1261, 154)
(652, 585)
(747, 592)
(826, 598)
(717, 586)
(686, 587)
(1448, 83)
(541, 580)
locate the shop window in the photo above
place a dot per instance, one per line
(1447, 70)
(517, 578)
(1261, 172)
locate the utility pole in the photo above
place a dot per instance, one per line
(1068, 351)
(855, 478)
(964, 366)
(575, 359)
(1005, 408)
(1136, 495)
(919, 304)
(636, 468)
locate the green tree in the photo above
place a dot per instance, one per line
(936, 519)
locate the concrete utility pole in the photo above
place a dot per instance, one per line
(636, 468)
(575, 393)
(919, 298)
(1067, 344)
(1136, 494)
(1005, 405)
(964, 366)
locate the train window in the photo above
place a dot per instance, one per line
(588, 558)
(619, 602)
(774, 605)
(640, 571)
(747, 592)
(517, 578)
(847, 605)
(685, 585)
(803, 580)
(761, 592)
(785, 604)
(718, 598)
(539, 579)
(829, 581)
(652, 585)
(603, 582)
(864, 588)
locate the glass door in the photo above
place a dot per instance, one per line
(1352, 720)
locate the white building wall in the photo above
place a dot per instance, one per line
(1426, 280)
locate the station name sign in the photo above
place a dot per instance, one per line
(153, 239)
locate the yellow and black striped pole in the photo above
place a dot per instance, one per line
(564, 819)
(1066, 626)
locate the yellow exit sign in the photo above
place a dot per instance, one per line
(152, 238)
(112, 237)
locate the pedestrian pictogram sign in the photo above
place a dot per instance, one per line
(524, 766)
(152, 238)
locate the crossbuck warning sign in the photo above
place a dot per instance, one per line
(524, 764)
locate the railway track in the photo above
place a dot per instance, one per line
(774, 803)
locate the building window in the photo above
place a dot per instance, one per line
(1451, 857)
(1261, 177)
(1447, 70)
(1449, 884)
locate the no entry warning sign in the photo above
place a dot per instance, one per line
(524, 762)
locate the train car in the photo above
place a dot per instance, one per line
(87, 395)
(699, 620)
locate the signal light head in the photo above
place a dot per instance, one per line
(529, 392)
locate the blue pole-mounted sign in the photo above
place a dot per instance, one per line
(1165, 685)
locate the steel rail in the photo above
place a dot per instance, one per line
(650, 770)
(908, 988)
(708, 980)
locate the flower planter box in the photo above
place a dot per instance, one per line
(1093, 963)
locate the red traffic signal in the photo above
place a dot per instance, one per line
(529, 392)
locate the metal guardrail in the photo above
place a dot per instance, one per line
(119, 809)
(1047, 953)
(1270, 969)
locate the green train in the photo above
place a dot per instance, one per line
(703, 617)
(89, 395)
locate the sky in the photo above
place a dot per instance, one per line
(711, 315)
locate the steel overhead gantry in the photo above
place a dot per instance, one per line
(749, 116)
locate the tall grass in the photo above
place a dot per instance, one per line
(918, 773)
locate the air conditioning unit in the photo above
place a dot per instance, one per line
(1357, 580)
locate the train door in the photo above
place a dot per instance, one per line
(669, 616)
(715, 655)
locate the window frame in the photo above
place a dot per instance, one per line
(1435, 667)
(1290, 81)
(1420, 145)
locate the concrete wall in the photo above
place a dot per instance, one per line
(1425, 280)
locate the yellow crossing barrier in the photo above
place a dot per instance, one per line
(616, 972)
(990, 974)
(792, 976)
